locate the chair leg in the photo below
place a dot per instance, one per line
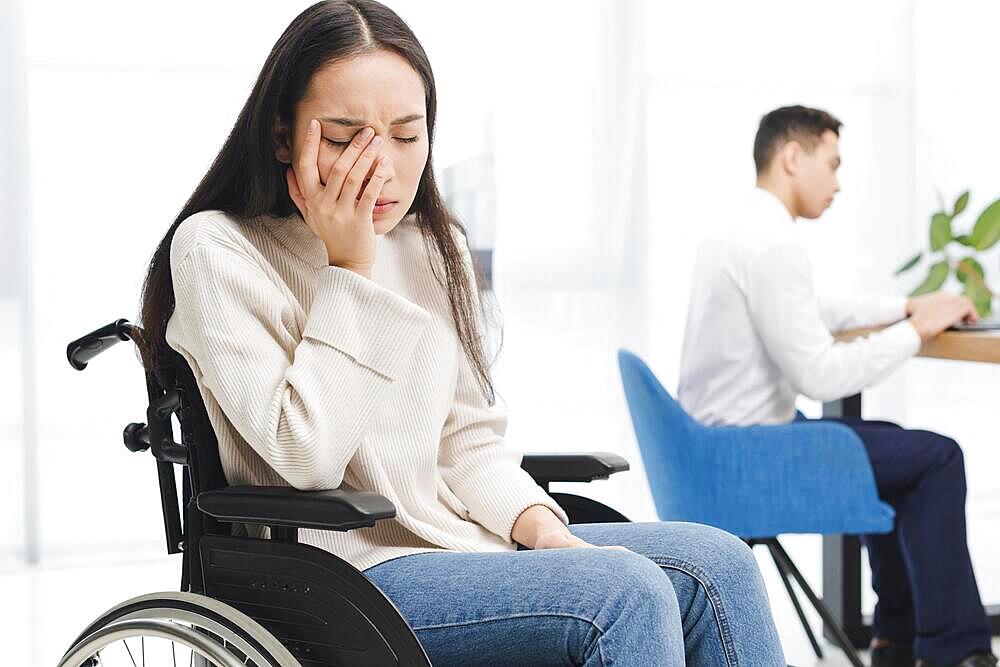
(838, 632)
(795, 602)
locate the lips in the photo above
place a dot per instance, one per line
(383, 207)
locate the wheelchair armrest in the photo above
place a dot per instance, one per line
(336, 509)
(576, 467)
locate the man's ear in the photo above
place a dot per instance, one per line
(790, 156)
(282, 139)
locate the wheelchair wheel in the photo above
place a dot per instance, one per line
(176, 629)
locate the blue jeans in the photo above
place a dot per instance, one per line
(685, 594)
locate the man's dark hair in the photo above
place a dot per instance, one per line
(794, 123)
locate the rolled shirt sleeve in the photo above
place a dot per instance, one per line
(788, 317)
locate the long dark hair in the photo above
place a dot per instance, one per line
(247, 180)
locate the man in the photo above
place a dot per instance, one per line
(758, 335)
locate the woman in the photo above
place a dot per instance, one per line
(325, 301)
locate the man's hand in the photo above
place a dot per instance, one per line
(930, 314)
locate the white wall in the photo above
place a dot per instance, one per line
(123, 119)
(912, 84)
(956, 148)
(587, 110)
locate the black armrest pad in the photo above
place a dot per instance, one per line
(335, 509)
(576, 467)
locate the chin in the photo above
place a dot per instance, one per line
(816, 211)
(384, 226)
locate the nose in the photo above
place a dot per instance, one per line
(390, 168)
(387, 165)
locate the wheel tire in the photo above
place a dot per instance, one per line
(202, 612)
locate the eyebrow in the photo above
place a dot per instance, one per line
(354, 122)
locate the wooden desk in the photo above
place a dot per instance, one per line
(842, 553)
(981, 346)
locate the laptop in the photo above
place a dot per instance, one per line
(981, 325)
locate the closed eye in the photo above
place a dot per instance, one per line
(341, 144)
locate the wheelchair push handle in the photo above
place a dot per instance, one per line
(82, 350)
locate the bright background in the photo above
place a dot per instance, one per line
(592, 145)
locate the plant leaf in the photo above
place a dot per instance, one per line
(910, 263)
(987, 229)
(970, 269)
(970, 273)
(940, 231)
(981, 296)
(965, 239)
(936, 276)
(960, 203)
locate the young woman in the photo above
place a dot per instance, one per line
(325, 301)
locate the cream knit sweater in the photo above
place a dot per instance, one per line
(316, 377)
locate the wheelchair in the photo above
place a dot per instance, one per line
(263, 602)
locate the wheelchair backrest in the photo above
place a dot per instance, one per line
(197, 434)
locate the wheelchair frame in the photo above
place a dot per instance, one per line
(318, 606)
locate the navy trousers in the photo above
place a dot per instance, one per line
(921, 571)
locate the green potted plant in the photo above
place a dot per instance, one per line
(958, 254)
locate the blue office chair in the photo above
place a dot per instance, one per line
(756, 482)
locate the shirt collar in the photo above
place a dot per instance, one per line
(770, 207)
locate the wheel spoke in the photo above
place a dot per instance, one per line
(129, 653)
(173, 652)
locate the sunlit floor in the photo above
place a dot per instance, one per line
(798, 651)
(45, 608)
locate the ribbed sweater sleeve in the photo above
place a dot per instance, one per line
(303, 404)
(480, 467)
(477, 463)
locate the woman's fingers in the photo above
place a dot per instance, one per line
(374, 188)
(307, 167)
(343, 164)
(355, 179)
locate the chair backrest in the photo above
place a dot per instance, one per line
(197, 433)
(665, 433)
(754, 481)
(203, 471)
(172, 391)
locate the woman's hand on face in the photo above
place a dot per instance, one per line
(340, 212)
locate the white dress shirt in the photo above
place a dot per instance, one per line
(758, 335)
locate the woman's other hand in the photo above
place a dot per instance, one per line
(538, 528)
